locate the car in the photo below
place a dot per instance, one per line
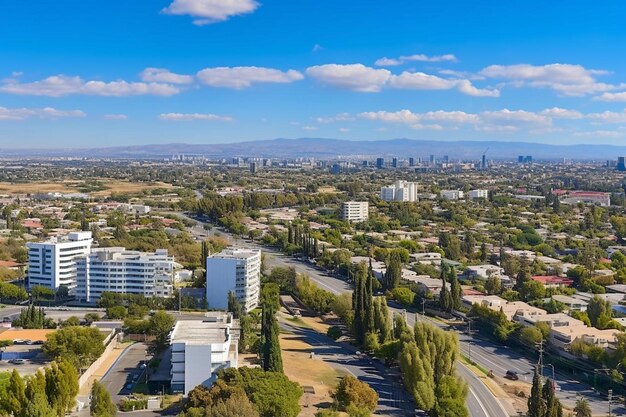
(18, 342)
(512, 375)
(17, 361)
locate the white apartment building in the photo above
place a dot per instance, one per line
(237, 270)
(53, 263)
(127, 272)
(200, 349)
(399, 191)
(478, 194)
(452, 194)
(355, 211)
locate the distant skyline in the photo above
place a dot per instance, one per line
(115, 73)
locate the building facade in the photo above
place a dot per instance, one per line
(478, 194)
(122, 271)
(202, 348)
(399, 191)
(355, 211)
(452, 194)
(236, 270)
(53, 263)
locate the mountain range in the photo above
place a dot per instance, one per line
(336, 148)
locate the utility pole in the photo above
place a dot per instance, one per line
(610, 398)
(540, 363)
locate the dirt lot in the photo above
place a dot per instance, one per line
(116, 186)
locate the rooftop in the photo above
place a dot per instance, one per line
(214, 328)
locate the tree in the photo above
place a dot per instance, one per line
(234, 306)
(530, 336)
(582, 408)
(237, 405)
(79, 345)
(532, 290)
(352, 392)
(599, 312)
(553, 406)
(455, 290)
(272, 392)
(271, 356)
(393, 274)
(445, 298)
(16, 394)
(160, 325)
(270, 295)
(382, 320)
(101, 404)
(493, 285)
(536, 406)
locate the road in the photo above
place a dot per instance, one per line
(125, 372)
(393, 399)
(481, 402)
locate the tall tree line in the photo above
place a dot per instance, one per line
(297, 236)
(371, 315)
(271, 358)
(542, 401)
(50, 393)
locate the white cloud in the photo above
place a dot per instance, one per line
(356, 77)
(401, 116)
(389, 62)
(188, 117)
(317, 47)
(450, 116)
(115, 117)
(508, 117)
(426, 58)
(567, 79)
(243, 77)
(344, 129)
(341, 117)
(608, 117)
(210, 11)
(601, 134)
(309, 128)
(612, 96)
(421, 81)
(559, 113)
(360, 78)
(61, 85)
(162, 75)
(23, 113)
(419, 126)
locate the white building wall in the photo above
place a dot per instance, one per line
(234, 270)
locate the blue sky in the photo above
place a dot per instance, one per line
(102, 73)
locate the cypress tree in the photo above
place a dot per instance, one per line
(15, 394)
(536, 406)
(290, 234)
(552, 404)
(368, 305)
(455, 290)
(445, 298)
(272, 359)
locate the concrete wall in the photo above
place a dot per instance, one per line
(112, 344)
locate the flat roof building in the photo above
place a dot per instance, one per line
(233, 270)
(355, 211)
(202, 348)
(53, 263)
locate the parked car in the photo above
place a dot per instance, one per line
(17, 361)
(512, 375)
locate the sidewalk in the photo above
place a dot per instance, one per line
(104, 367)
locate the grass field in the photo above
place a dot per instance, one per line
(108, 186)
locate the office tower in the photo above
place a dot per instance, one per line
(621, 163)
(237, 271)
(484, 162)
(365, 163)
(394, 162)
(446, 159)
(432, 159)
(411, 162)
(520, 159)
(253, 167)
(380, 163)
(53, 263)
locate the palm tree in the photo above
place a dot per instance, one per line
(582, 408)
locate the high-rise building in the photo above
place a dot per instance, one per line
(411, 162)
(528, 159)
(520, 159)
(123, 271)
(621, 163)
(355, 211)
(202, 348)
(432, 159)
(233, 270)
(380, 163)
(446, 159)
(394, 162)
(478, 194)
(253, 167)
(399, 191)
(365, 163)
(483, 162)
(53, 263)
